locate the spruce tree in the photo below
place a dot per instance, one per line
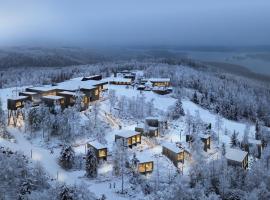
(91, 164)
(67, 157)
(234, 139)
(195, 98)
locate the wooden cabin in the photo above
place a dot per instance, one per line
(93, 77)
(160, 82)
(43, 90)
(132, 138)
(174, 153)
(161, 90)
(257, 144)
(145, 165)
(100, 150)
(16, 102)
(71, 97)
(156, 122)
(205, 138)
(236, 157)
(32, 96)
(51, 101)
(120, 81)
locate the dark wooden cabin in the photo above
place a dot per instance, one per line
(33, 96)
(100, 150)
(236, 157)
(161, 90)
(156, 122)
(132, 138)
(160, 82)
(205, 138)
(93, 77)
(71, 97)
(174, 153)
(16, 102)
(51, 101)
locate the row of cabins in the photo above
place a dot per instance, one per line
(64, 94)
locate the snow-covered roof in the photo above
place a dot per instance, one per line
(97, 145)
(172, 147)
(76, 85)
(53, 97)
(71, 93)
(126, 133)
(235, 154)
(43, 88)
(253, 141)
(153, 128)
(30, 93)
(18, 98)
(159, 79)
(204, 136)
(119, 79)
(144, 157)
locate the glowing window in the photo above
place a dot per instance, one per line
(18, 104)
(102, 153)
(138, 138)
(129, 141)
(141, 168)
(133, 139)
(180, 156)
(149, 166)
(96, 92)
(85, 100)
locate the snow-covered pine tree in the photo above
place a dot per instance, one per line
(177, 110)
(223, 149)
(195, 98)
(245, 140)
(66, 158)
(234, 140)
(91, 164)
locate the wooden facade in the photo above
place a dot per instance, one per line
(51, 101)
(71, 98)
(160, 82)
(237, 158)
(145, 167)
(100, 150)
(132, 138)
(174, 153)
(17, 102)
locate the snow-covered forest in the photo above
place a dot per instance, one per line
(46, 156)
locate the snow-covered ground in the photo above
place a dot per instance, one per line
(147, 149)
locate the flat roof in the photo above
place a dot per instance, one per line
(120, 79)
(173, 147)
(74, 85)
(54, 97)
(144, 157)
(30, 93)
(254, 141)
(159, 79)
(235, 154)
(97, 145)
(18, 98)
(71, 93)
(126, 133)
(43, 88)
(204, 136)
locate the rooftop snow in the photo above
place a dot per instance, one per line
(53, 97)
(97, 145)
(119, 79)
(205, 136)
(235, 154)
(172, 147)
(18, 98)
(126, 133)
(159, 79)
(43, 88)
(30, 93)
(71, 93)
(76, 85)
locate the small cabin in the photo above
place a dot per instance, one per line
(51, 101)
(71, 97)
(153, 132)
(120, 81)
(32, 96)
(236, 157)
(257, 144)
(16, 102)
(93, 77)
(205, 138)
(132, 138)
(160, 82)
(156, 122)
(161, 90)
(174, 153)
(145, 166)
(100, 150)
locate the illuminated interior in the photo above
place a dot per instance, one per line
(180, 156)
(102, 153)
(149, 166)
(145, 167)
(138, 138)
(85, 99)
(129, 141)
(62, 101)
(208, 141)
(18, 104)
(133, 139)
(96, 92)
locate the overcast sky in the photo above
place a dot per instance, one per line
(134, 22)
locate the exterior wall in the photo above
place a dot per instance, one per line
(130, 141)
(243, 164)
(174, 157)
(13, 104)
(161, 84)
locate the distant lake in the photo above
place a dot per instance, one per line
(258, 62)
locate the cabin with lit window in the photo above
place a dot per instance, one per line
(237, 158)
(145, 164)
(162, 90)
(156, 122)
(160, 82)
(43, 90)
(16, 102)
(100, 150)
(174, 153)
(32, 96)
(131, 138)
(120, 81)
(52, 101)
(93, 77)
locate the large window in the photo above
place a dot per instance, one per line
(129, 141)
(18, 104)
(133, 139)
(138, 138)
(180, 156)
(149, 166)
(96, 92)
(141, 168)
(102, 153)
